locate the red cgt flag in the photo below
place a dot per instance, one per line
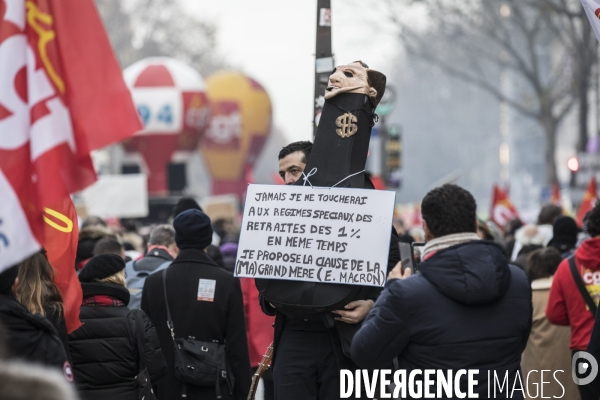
(502, 209)
(61, 234)
(62, 95)
(589, 201)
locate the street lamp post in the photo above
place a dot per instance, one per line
(323, 58)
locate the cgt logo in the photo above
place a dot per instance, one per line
(584, 368)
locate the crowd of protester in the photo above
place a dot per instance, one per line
(140, 293)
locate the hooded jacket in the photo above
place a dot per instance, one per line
(466, 309)
(566, 305)
(104, 349)
(30, 337)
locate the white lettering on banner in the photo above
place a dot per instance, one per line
(13, 128)
(225, 128)
(591, 277)
(336, 235)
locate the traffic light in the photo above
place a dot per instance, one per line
(573, 165)
(393, 155)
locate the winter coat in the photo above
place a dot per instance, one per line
(57, 319)
(219, 320)
(547, 349)
(566, 305)
(31, 337)
(152, 260)
(466, 309)
(136, 272)
(104, 349)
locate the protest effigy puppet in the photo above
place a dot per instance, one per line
(341, 145)
(338, 158)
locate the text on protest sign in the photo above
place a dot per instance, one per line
(309, 234)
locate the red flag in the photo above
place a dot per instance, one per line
(555, 199)
(378, 183)
(589, 200)
(502, 209)
(61, 236)
(61, 95)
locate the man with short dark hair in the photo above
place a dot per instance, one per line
(109, 246)
(292, 161)
(465, 309)
(308, 355)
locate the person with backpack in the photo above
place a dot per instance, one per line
(162, 249)
(575, 291)
(196, 305)
(115, 346)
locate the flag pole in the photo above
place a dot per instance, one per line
(323, 58)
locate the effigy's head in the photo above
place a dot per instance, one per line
(356, 77)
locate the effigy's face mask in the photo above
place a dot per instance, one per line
(354, 78)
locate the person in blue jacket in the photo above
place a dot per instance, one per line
(466, 309)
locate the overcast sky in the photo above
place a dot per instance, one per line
(273, 41)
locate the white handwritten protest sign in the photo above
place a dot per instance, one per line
(301, 233)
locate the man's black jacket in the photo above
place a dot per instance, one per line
(221, 320)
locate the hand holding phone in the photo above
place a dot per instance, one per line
(399, 272)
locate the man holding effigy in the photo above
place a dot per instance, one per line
(310, 349)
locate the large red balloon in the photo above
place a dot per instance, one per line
(171, 100)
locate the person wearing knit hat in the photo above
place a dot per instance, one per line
(188, 203)
(205, 302)
(109, 334)
(192, 230)
(101, 267)
(565, 232)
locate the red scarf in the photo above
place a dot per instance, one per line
(101, 300)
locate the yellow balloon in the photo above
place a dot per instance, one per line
(241, 117)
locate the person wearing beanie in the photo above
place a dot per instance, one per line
(564, 235)
(188, 203)
(104, 349)
(205, 302)
(29, 337)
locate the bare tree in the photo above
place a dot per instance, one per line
(571, 23)
(541, 44)
(145, 28)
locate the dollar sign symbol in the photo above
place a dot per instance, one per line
(345, 123)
